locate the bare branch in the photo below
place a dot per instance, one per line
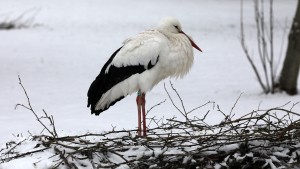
(29, 107)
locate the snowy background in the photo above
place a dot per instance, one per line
(60, 56)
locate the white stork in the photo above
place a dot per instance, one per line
(142, 62)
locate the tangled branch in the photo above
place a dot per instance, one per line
(260, 138)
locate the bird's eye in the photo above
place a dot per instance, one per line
(176, 27)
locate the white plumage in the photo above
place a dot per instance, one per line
(144, 60)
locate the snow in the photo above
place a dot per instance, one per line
(60, 56)
(217, 166)
(32, 160)
(282, 154)
(228, 148)
(269, 161)
(274, 159)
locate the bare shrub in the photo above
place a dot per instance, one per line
(24, 20)
(267, 61)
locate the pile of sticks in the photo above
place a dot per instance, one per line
(259, 139)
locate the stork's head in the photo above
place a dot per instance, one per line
(172, 25)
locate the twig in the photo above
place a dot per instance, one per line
(29, 107)
(235, 104)
(172, 100)
(182, 105)
(158, 104)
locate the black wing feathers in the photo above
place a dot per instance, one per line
(105, 81)
(98, 84)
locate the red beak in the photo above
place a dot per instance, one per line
(192, 42)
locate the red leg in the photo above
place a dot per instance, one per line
(144, 115)
(138, 103)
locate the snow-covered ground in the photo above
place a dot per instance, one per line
(59, 57)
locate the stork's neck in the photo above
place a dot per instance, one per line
(181, 56)
(166, 33)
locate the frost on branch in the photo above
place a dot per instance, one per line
(259, 139)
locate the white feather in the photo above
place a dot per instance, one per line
(141, 49)
(172, 51)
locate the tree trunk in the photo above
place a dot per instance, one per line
(290, 70)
